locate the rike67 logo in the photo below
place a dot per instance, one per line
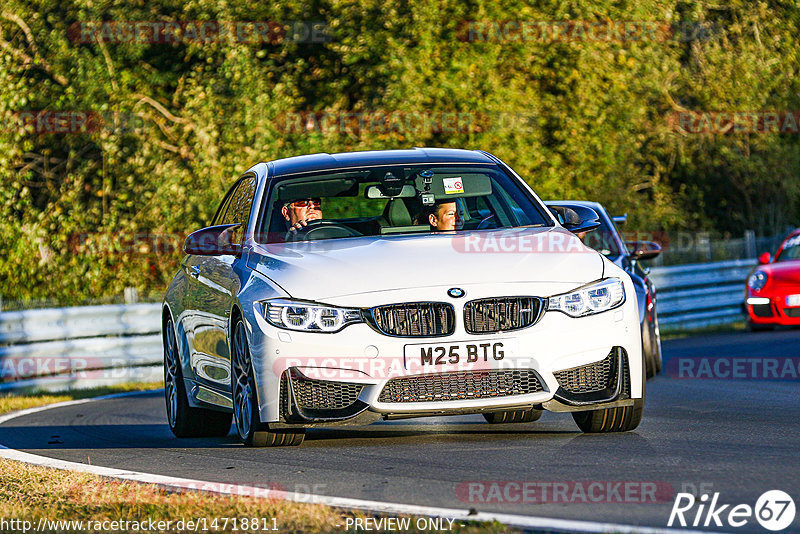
(774, 510)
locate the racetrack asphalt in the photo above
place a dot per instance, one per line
(736, 436)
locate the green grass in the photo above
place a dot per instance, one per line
(715, 329)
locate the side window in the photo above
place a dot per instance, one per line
(239, 207)
(220, 216)
(517, 214)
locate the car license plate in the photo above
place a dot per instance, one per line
(793, 301)
(481, 354)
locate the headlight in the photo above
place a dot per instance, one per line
(588, 300)
(757, 280)
(307, 317)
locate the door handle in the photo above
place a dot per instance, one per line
(195, 271)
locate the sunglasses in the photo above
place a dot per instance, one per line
(307, 203)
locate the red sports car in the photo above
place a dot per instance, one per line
(773, 288)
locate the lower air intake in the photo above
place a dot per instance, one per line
(311, 394)
(461, 385)
(590, 378)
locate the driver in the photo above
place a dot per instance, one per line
(299, 213)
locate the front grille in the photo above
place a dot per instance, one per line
(762, 310)
(461, 385)
(590, 378)
(414, 319)
(791, 312)
(501, 314)
(311, 394)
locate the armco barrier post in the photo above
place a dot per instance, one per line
(131, 295)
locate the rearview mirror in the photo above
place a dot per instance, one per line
(576, 219)
(644, 250)
(374, 191)
(213, 241)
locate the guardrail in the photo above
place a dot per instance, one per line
(88, 346)
(85, 346)
(706, 294)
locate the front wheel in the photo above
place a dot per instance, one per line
(252, 431)
(619, 419)
(651, 347)
(185, 421)
(657, 358)
(757, 327)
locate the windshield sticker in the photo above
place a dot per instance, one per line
(453, 185)
(793, 242)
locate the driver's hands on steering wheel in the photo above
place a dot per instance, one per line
(300, 224)
(319, 229)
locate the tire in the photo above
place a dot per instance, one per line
(513, 416)
(184, 420)
(251, 430)
(620, 419)
(755, 327)
(657, 358)
(647, 351)
(651, 347)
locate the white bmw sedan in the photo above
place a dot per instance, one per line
(341, 289)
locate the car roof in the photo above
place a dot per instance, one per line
(324, 162)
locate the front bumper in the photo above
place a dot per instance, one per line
(366, 364)
(307, 401)
(772, 309)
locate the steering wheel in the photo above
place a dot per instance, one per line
(488, 222)
(320, 229)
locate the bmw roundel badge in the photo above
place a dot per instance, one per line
(456, 292)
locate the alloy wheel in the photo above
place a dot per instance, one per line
(171, 376)
(242, 390)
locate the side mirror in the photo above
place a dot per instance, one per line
(644, 250)
(213, 241)
(576, 219)
(764, 258)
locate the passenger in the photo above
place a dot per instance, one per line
(442, 216)
(300, 212)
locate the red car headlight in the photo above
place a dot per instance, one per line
(757, 280)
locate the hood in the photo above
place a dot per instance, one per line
(338, 267)
(782, 272)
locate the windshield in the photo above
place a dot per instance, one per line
(602, 240)
(790, 250)
(386, 200)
